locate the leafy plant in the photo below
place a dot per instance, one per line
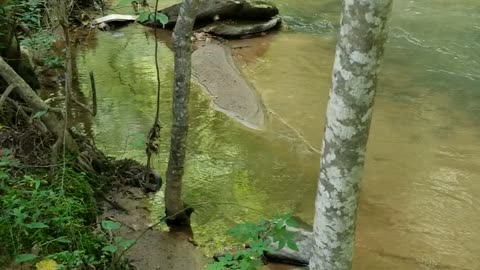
(42, 44)
(6, 159)
(27, 13)
(149, 17)
(259, 238)
(145, 16)
(41, 221)
(53, 61)
(117, 242)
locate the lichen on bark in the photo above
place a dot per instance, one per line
(175, 208)
(359, 49)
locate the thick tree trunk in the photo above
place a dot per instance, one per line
(14, 56)
(349, 113)
(52, 122)
(183, 51)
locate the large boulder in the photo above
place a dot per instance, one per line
(240, 28)
(227, 9)
(231, 17)
(207, 11)
(257, 10)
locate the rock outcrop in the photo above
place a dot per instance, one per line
(231, 18)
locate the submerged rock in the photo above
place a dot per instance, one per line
(214, 70)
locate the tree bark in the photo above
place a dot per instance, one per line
(175, 208)
(37, 104)
(359, 49)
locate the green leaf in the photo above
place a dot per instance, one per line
(110, 225)
(291, 223)
(282, 243)
(37, 185)
(144, 16)
(25, 258)
(127, 243)
(111, 249)
(37, 225)
(118, 239)
(162, 19)
(7, 152)
(39, 114)
(4, 162)
(63, 240)
(292, 245)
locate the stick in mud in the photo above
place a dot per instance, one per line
(94, 93)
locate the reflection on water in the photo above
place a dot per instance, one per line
(419, 204)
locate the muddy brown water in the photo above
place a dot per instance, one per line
(419, 205)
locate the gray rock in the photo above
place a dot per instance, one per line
(239, 29)
(257, 10)
(227, 10)
(304, 240)
(207, 11)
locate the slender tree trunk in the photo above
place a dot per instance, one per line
(349, 113)
(183, 51)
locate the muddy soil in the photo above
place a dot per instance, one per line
(155, 249)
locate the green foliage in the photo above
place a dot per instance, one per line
(30, 13)
(42, 44)
(53, 61)
(259, 237)
(6, 159)
(150, 17)
(56, 220)
(145, 16)
(27, 13)
(22, 258)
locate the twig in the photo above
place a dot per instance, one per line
(163, 219)
(115, 204)
(20, 109)
(94, 94)
(7, 92)
(83, 106)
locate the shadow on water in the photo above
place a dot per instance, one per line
(419, 204)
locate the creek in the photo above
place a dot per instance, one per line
(419, 206)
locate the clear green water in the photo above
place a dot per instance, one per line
(420, 206)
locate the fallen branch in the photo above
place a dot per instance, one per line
(53, 123)
(20, 109)
(76, 101)
(83, 106)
